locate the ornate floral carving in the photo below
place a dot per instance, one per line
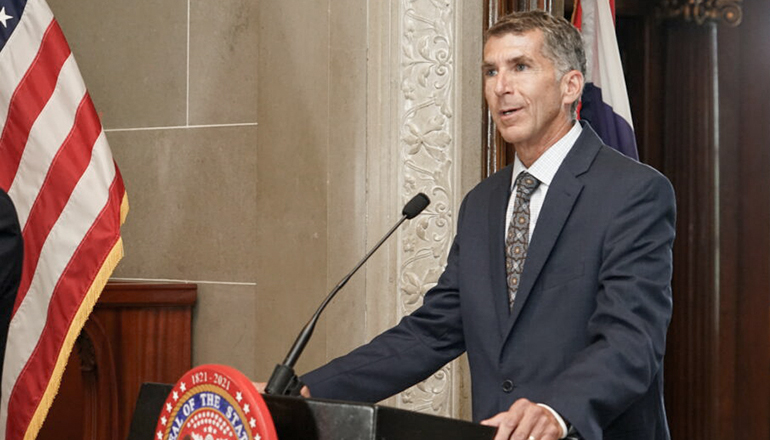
(432, 395)
(427, 151)
(701, 11)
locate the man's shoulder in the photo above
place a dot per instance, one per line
(494, 186)
(499, 178)
(615, 178)
(613, 165)
(591, 156)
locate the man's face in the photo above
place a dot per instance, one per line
(525, 98)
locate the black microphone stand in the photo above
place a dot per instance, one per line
(284, 380)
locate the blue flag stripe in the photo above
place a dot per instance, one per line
(611, 127)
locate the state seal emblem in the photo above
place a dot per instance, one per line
(214, 402)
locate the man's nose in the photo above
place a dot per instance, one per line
(503, 84)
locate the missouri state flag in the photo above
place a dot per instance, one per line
(605, 99)
(57, 167)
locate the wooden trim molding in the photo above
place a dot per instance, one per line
(97, 368)
(729, 12)
(148, 295)
(690, 141)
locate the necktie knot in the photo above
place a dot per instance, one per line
(526, 184)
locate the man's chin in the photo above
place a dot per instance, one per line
(511, 136)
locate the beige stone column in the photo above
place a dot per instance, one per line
(381, 95)
(422, 58)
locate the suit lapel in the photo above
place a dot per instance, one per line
(559, 201)
(554, 214)
(498, 204)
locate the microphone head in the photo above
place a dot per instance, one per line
(415, 206)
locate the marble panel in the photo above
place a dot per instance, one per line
(192, 194)
(223, 62)
(224, 327)
(133, 57)
(292, 172)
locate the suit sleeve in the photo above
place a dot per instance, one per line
(633, 310)
(11, 256)
(419, 345)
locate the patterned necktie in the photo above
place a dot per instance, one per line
(517, 239)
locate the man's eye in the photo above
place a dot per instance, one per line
(521, 67)
(490, 72)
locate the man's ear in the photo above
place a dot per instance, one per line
(572, 86)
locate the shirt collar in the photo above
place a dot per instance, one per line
(548, 163)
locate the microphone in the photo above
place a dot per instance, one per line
(283, 381)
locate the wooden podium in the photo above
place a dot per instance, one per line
(297, 418)
(316, 419)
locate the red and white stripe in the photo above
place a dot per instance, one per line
(57, 167)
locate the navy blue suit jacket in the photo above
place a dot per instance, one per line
(587, 332)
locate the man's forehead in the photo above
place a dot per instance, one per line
(513, 44)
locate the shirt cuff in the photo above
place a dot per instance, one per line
(558, 419)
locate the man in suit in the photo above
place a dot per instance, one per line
(558, 281)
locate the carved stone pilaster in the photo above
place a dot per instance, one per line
(427, 155)
(729, 12)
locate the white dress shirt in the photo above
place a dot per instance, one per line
(543, 169)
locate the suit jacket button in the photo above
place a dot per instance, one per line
(507, 386)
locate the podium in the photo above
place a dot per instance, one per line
(317, 419)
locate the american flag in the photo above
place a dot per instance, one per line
(57, 167)
(605, 99)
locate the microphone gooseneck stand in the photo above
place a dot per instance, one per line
(284, 380)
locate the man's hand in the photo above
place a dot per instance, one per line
(525, 420)
(260, 386)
